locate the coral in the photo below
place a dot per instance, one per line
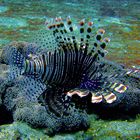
(73, 118)
(3, 83)
(36, 115)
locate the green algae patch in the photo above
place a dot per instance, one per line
(99, 130)
(19, 130)
(114, 130)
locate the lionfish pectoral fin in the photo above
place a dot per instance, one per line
(109, 93)
(15, 60)
(45, 41)
(103, 96)
(110, 98)
(14, 72)
(134, 72)
(79, 92)
(114, 91)
(32, 88)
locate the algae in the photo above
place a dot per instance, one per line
(99, 130)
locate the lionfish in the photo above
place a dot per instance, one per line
(67, 56)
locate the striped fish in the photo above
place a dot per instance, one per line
(67, 55)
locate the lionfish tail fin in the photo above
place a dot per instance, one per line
(15, 59)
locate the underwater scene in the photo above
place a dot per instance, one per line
(69, 69)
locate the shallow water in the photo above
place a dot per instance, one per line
(120, 19)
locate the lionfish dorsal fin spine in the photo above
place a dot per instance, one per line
(79, 37)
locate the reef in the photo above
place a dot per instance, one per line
(102, 87)
(34, 113)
